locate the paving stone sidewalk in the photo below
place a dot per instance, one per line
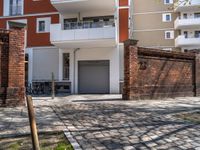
(100, 123)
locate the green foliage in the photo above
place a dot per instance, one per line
(51, 141)
(63, 146)
(15, 146)
(178, 2)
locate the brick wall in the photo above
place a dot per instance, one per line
(12, 67)
(151, 73)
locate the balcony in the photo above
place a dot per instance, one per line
(187, 23)
(182, 41)
(181, 6)
(75, 6)
(83, 35)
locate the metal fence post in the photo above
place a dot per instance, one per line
(53, 86)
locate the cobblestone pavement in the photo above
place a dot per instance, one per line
(100, 123)
(14, 121)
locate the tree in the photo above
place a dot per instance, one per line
(182, 2)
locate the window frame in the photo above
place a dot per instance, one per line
(7, 8)
(170, 2)
(164, 17)
(63, 67)
(171, 35)
(47, 22)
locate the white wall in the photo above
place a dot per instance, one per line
(45, 61)
(111, 54)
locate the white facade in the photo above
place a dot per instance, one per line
(44, 61)
(89, 41)
(111, 54)
(188, 23)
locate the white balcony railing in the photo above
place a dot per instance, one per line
(187, 23)
(80, 33)
(182, 41)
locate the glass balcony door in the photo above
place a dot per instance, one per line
(92, 22)
(16, 7)
(197, 34)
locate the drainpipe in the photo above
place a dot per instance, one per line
(79, 17)
(75, 50)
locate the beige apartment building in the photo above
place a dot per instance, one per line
(166, 24)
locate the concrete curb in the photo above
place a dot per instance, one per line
(72, 140)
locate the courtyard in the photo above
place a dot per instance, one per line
(98, 122)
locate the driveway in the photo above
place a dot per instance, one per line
(101, 122)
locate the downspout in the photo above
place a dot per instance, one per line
(75, 50)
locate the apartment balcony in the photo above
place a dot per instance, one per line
(75, 6)
(83, 35)
(181, 6)
(189, 23)
(182, 41)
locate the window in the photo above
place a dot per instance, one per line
(167, 17)
(43, 25)
(185, 34)
(197, 34)
(169, 34)
(168, 2)
(66, 63)
(13, 7)
(185, 16)
(69, 23)
(196, 15)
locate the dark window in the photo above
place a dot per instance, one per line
(168, 35)
(66, 62)
(196, 15)
(42, 26)
(185, 16)
(70, 23)
(167, 1)
(185, 34)
(197, 34)
(168, 17)
(98, 18)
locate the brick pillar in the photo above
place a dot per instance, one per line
(16, 68)
(130, 69)
(197, 75)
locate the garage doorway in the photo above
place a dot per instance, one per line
(93, 77)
